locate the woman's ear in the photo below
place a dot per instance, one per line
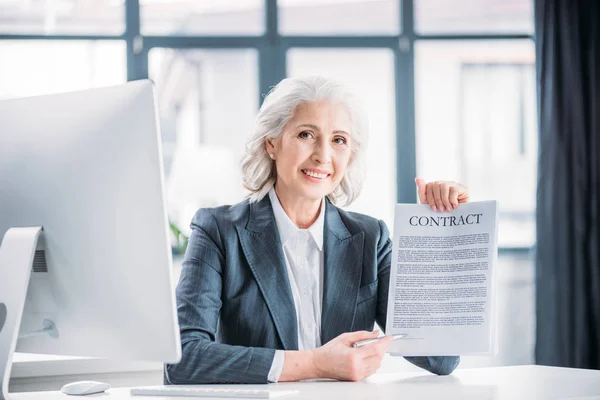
(269, 146)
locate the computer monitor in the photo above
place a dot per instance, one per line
(87, 167)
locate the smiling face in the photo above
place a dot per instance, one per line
(313, 151)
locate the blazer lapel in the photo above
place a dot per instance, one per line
(262, 247)
(343, 266)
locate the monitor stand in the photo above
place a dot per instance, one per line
(16, 261)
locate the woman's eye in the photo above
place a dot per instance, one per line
(305, 135)
(340, 140)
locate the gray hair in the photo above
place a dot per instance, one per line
(258, 170)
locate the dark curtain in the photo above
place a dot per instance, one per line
(568, 196)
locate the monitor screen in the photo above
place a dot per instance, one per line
(87, 167)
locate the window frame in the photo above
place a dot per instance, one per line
(272, 48)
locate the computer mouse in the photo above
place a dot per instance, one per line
(85, 387)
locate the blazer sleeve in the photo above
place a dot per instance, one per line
(440, 365)
(198, 298)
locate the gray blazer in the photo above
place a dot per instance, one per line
(234, 300)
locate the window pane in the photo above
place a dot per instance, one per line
(330, 17)
(476, 123)
(208, 100)
(376, 91)
(30, 68)
(84, 17)
(192, 17)
(468, 16)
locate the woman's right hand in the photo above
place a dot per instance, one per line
(337, 359)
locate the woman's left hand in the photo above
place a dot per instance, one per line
(441, 195)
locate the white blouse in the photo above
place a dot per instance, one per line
(303, 251)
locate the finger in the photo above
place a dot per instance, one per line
(375, 349)
(421, 190)
(352, 337)
(371, 365)
(369, 350)
(463, 195)
(445, 193)
(382, 346)
(430, 199)
(453, 195)
(438, 197)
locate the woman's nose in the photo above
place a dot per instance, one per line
(322, 154)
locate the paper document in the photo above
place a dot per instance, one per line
(442, 280)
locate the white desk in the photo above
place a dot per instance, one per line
(519, 382)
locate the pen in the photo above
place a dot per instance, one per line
(362, 343)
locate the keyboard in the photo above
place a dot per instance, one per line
(194, 391)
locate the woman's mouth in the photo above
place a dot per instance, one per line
(315, 175)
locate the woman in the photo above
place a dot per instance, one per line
(279, 286)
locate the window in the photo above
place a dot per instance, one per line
(473, 16)
(41, 67)
(192, 17)
(208, 100)
(335, 17)
(484, 133)
(74, 17)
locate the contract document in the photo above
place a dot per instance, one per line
(442, 280)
